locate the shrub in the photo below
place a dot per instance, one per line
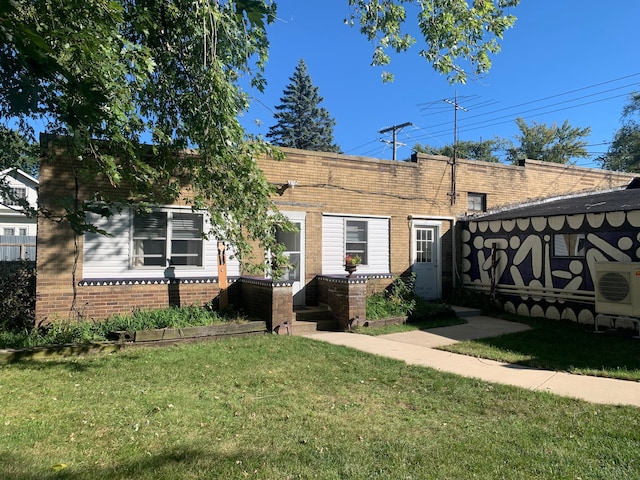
(17, 296)
(397, 300)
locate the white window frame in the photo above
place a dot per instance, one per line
(349, 245)
(378, 243)
(9, 231)
(169, 236)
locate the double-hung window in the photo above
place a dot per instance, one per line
(356, 239)
(164, 238)
(14, 196)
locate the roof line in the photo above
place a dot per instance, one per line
(540, 201)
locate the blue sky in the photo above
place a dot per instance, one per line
(575, 60)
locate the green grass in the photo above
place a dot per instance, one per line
(62, 332)
(292, 408)
(561, 346)
(419, 324)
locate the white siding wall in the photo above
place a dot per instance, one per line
(333, 239)
(12, 217)
(107, 257)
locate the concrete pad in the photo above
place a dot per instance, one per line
(475, 328)
(416, 348)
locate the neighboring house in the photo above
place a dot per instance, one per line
(399, 217)
(17, 231)
(551, 259)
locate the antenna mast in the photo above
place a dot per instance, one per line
(453, 193)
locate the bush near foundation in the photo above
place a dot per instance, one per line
(17, 295)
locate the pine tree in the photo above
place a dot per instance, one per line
(301, 122)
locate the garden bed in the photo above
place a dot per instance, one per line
(171, 334)
(124, 339)
(381, 322)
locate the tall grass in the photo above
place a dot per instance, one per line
(65, 331)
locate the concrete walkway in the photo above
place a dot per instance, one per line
(417, 348)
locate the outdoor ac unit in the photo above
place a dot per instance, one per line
(618, 288)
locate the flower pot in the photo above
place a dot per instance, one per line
(350, 269)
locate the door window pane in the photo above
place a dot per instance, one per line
(424, 245)
(291, 242)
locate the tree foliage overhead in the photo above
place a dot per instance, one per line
(110, 75)
(300, 120)
(16, 151)
(624, 152)
(557, 144)
(454, 31)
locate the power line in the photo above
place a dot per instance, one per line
(510, 118)
(395, 130)
(545, 106)
(473, 101)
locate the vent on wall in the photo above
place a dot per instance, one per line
(618, 288)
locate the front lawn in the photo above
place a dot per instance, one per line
(292, 408)
(560, 345)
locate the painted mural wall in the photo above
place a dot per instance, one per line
(544, 266)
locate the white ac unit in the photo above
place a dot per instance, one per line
(617, 287)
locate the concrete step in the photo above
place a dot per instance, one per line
(312, 313)
(305, 328)
(464, 312)
(310, 319)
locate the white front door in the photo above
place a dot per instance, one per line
(425, 260)
(294, 250)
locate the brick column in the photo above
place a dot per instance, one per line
(267, 300)
(346, 298)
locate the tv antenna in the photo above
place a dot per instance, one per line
(453, 193)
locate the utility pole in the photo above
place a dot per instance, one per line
(395, 129)
(453, 193)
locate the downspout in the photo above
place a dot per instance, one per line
(454, 260)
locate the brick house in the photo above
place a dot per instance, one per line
(398, 216)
